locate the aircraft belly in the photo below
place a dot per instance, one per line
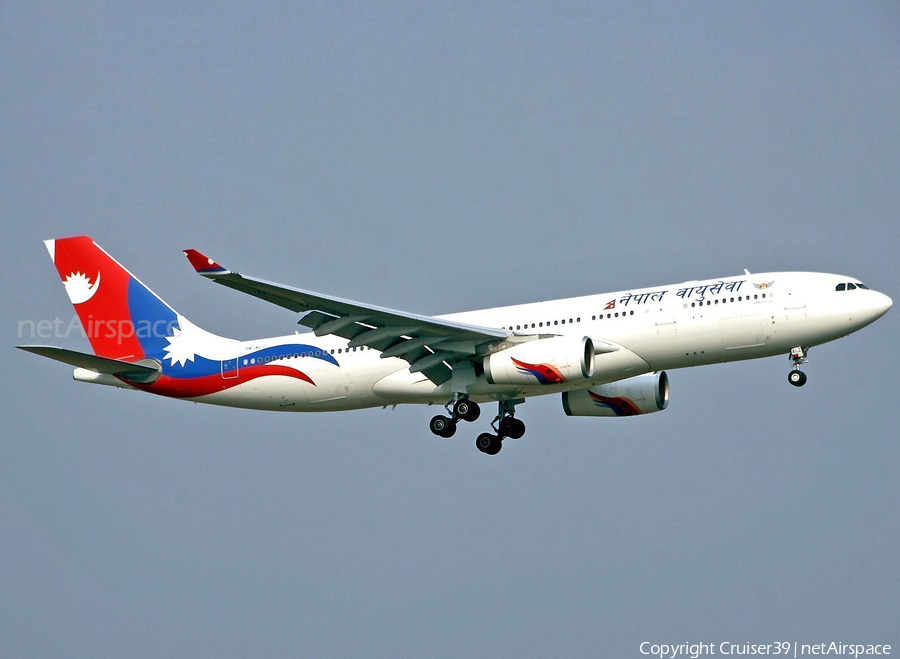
(401, 386)
(346, 388)
(272, 392)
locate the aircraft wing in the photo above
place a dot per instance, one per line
(429, 344)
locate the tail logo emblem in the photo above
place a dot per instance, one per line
(79, 287)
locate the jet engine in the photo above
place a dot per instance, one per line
(641, 394)
(554, 360)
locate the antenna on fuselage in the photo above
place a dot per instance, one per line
(746, 272)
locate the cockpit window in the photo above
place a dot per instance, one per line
(850, 286)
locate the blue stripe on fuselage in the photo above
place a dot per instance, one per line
(202, 367)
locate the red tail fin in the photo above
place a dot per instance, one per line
(123, 318)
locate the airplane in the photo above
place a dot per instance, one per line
(606, 355)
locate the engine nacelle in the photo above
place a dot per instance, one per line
(555, 360)
(641, 394)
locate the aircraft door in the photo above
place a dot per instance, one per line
(230, 368)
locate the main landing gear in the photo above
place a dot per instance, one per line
(505, 424)
(798, 356)
(459, 409)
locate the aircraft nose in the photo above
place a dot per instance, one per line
(882, 304)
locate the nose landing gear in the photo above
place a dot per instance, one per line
(798, 356)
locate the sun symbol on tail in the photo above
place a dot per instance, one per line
(79, 287)
(180, 349)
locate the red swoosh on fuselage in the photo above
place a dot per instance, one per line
(210, 384)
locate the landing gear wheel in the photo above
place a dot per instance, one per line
(797, 378)
(466, 409)
(442, 426)
(512, 427)
(488, 443)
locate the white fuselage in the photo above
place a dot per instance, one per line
(650, 329)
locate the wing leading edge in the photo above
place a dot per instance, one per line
(430, 345)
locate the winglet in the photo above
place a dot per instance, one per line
(203, 264)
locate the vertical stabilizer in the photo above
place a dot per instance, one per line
(123, 318)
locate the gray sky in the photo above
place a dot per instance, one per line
(435, 159)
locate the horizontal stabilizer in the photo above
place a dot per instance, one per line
(105, 365)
